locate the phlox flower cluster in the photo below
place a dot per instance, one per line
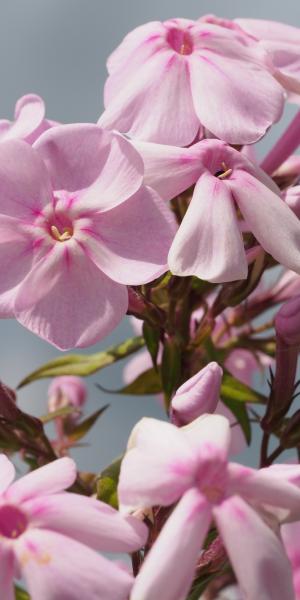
(159, 210)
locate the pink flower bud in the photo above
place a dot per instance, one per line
(287, 322)
(67, 391)
(198, 395)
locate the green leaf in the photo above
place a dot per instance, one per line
(233, 389)
(84, 364)
(148, 382)
(60, 412)
(152, 338)
(170, 368)
(107, 483)
(20, 594)
(240, 412)
(81, 429)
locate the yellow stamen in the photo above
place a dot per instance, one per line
(61, 237)
(226, 172)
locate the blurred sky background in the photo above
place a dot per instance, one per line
(58, 49)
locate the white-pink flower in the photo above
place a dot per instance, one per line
(77, 225)
(282, 43)
(166, 79)
(188, 466)
(29, 122)
(209, 241)
(51, 538)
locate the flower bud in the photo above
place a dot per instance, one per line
(198, 395)
(287, 322)
(67, 391)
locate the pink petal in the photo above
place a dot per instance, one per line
(165, 78)
(225, 96)
(274, 225)
(198, 395)
(7, 473)
(102, 528)
(257, 556)
(68, 301)
(7, 571)
(208, 243)
(24, 182)
(16, 260)
(261, 487)
(159, 468)
(168, 169)
(29, 114)
(56, 567)
(131, 242)
(238, 442)
(53, 477)
(169, 569)
(209, 430)
(120, 177)
(137, 46)
(73, 154)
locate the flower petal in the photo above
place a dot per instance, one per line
(169, 568)
(133, 239)
(7, 473)
(68, 301)
(120, 177)
(158, 467)
(7, 571)
(208, 243)
(56, 567)
(159, 88)
(209, 430)
(24, 182)
(272, 222)
(29, 114)
(102, 528)
(257, 555)
(16, 259)
(225, 96)
(168, 169)
(53, 477)
(262, 487)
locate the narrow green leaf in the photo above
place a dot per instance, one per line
(240, 412)
(60, 412)
(148, 382)
(84, 364)
(170, 368)
(107, 483)
(233, 389)
(82, 428)
(151, 337)
(20, 594)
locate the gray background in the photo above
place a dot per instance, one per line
(58, 49)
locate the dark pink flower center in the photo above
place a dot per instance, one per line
(181, 41)
(13, 521)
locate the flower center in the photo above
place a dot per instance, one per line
(13, 521)
(224, 172)
(213, 493)
(61, 236)
(180, 41)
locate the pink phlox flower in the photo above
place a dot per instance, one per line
(291, 538)
(165, 465)
(29, 122)
(186, 74)
(209, 242)
(51, 538)
(282, 43)
(77, 226)
(67, 390)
